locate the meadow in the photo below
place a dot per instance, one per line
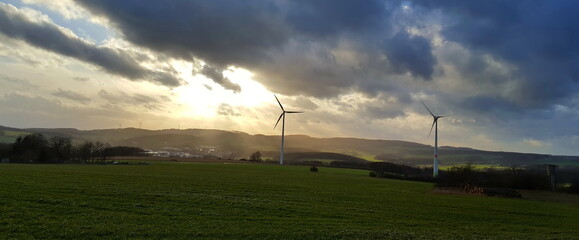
(255, 201)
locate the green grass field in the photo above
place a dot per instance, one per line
(254, 201)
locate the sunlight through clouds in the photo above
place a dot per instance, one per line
(358, 69)
(202, 97)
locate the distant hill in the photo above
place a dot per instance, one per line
(233, 144)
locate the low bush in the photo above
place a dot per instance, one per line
(398, 171)
(458, 176)
(313, 169)
(510, 178)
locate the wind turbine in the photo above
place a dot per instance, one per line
(435, 126)
(282, 115)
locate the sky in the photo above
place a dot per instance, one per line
(504, 73)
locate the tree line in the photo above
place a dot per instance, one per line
(36, 148)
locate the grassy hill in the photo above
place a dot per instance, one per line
(255, 201)
(9, 135)
(241, 145)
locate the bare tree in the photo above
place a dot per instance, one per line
(61, 146)
(255, 157)
(84, 152)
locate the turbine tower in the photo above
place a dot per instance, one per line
(435, 126)
(282, 115)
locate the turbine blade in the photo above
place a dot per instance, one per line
(279, 103)
(281, 115)
(293, 112)
(431, 127)
(427, 108)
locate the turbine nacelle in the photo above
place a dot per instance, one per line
(283, 112)
(434, 118)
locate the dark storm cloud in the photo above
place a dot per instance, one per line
(217, 76)
(540, 38)
(48, 36)
(328, 48)
(327, 18)
(306, 70)
(68, 94)
(288, 44)
(491, 107)
(410, 54)
(221, 31)
(230, 31)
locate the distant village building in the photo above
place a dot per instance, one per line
(194, 152)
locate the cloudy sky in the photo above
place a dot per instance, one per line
(506, 73)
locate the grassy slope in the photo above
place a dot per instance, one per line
(193, 200)
(8, 136)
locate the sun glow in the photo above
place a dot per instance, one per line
(202, 96)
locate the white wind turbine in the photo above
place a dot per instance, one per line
(435, 126)
(282, 115)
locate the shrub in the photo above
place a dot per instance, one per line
(574, 188)
(255, 157)
(510, 178)
(458, 176)
(313, 169)
(382, 169)
(372, 174)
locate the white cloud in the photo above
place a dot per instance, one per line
(535, 142)
(67, 8)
